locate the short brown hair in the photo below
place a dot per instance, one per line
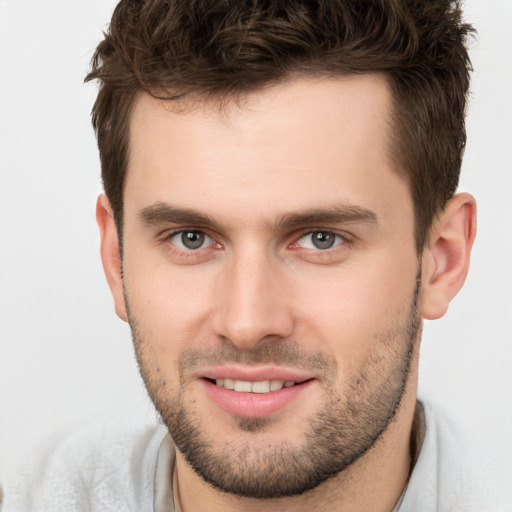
(224, 48)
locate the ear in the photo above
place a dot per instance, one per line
(110, 254)
(445, 260)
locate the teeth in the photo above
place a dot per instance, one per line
(276, 385)
(228, 384)
(263, 386)
(243, 386)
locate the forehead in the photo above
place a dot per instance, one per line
(294, 145)
(314, 106)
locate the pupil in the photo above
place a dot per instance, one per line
(323, 240)
(192, 239)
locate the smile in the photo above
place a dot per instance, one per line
(263, 386)
(254, 396)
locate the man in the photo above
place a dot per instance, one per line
(279, 215)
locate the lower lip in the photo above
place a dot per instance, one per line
(254, 405)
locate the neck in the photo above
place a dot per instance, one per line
(374, 482)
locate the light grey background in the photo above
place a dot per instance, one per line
(65, 356)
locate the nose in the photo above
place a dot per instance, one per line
(253, 302)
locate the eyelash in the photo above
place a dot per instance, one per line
(167, 238)
(345, 243)
(338, 239)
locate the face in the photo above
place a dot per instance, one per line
(271, 279)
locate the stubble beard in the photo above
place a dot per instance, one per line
(340, 433)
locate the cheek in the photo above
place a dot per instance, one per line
(357, 304)
(170, 304)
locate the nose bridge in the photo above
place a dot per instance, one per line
(252, 305)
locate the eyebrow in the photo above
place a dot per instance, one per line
(164, 213)
(343, 214)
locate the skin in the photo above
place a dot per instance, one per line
(309, 145)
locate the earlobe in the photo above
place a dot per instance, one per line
(110, 253)
(445, 259)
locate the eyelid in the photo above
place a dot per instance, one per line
(308, 240)
(348, 238)
(167, 236)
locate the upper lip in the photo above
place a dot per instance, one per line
(254, 373)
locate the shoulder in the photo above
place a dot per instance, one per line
(451, 473)
(105, 465)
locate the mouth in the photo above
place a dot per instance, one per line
(253, 396)
(259, 387)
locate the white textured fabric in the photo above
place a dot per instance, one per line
(166, 499)
(450, 474)
(105, 466)
(114, 467)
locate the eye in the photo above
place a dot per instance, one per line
(191, 240)
(320, 240)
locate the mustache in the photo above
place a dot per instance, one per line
(271, 352)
